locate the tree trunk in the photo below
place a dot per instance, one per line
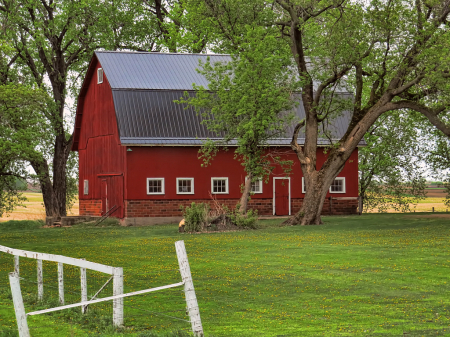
(317, 184)
(245, 194)
(59, 174)
(42, 171)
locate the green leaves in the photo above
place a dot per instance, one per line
(21, 125)
(391, 166)
(248, 100)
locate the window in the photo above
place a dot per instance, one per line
(185, 185)
(155, 185)
(257, 186)
(99, 75)
(219, 185)
(338, 185)
(86, 187)
(303, 185)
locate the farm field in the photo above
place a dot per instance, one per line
(369, 275)
(34, 209)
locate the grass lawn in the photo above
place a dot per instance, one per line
(370, 275)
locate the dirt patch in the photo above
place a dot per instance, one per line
(430, 216)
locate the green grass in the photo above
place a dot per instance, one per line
(370, 275)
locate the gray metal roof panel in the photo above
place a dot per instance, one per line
(152, 117)
(159, 71)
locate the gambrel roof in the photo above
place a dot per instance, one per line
(145, 86)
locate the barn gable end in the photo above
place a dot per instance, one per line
(101, 156)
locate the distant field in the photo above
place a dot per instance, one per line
(435, 192)
(34, 209)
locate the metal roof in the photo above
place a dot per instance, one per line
(150, 117)
(145, 86)
(157, 71)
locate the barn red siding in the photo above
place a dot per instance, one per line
(182, 162)
(101, 157)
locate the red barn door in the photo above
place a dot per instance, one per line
(282, 196)
(104, 196)
(112, 195)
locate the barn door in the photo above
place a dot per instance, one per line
(112, 195)
(115, 197)
(104, 195)
(282, 196)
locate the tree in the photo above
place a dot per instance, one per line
(21, 123)
(390, 54)
(247, 102)
(53, 43)
(391, 176)
(173, 27)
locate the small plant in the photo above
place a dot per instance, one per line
(247, 220)
(195, 217)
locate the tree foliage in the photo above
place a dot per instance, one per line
(390, 54)
(391, 166)
(248, 102)
(21, 123)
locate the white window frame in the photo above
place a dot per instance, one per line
(289, 186)
(99, 75)
(303, 185)
(344, 189)
(86, 187)
(226, 185)
(192, 185)
(260, 186)
(162, 187)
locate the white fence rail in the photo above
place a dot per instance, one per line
(116, 273)
(118, 295)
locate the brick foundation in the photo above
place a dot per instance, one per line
(171, 208)
(90, 207)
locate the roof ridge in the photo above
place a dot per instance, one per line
(154, 53)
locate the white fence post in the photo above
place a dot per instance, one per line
(61, 282)
(19, 308)
(40, 280)
(16, 264)
(118, 303)
(191, 299)
(83, 280)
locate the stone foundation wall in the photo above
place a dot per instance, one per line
(90, 207)
(171, 208)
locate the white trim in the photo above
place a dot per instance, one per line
(99, 75)
(303, 185)
(192, 185)
(162, 186)
(260, 186)
(344, 188)
(289, 188)
(86, 187)
(226, 185)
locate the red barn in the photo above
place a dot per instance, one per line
(138, 150)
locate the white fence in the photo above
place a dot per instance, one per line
(117, 277)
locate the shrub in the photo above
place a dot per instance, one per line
(195, 217)
(247, 220)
